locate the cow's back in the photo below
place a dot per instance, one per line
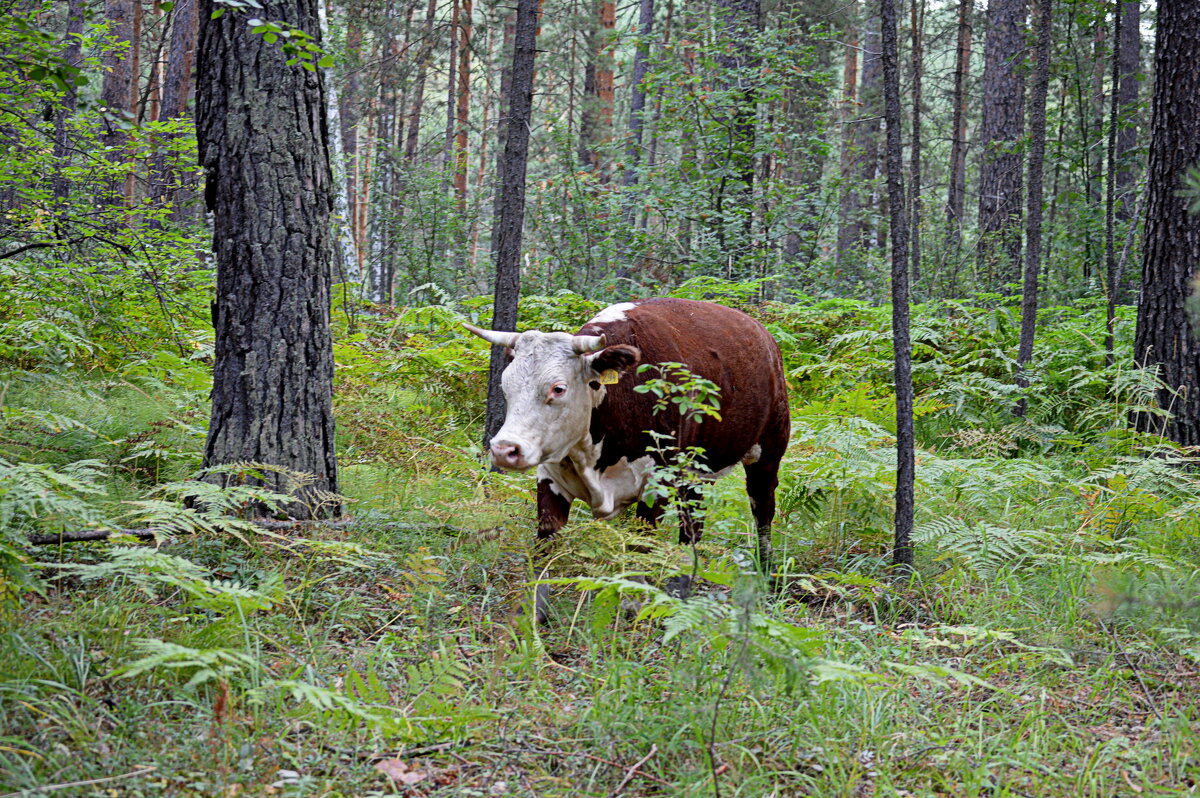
(715, 342)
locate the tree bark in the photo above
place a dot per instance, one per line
(902, 552)
(1001, 129)
(918, 27)
(1130, 71)
(343, 239)
(956, 196)
(510, 204)
(637, 106)
(464, 106)
(263, 144)
(177, 89)
(740, 23)
(118, 92)
(1110, 190)
(1166, 338)
(1037, 159)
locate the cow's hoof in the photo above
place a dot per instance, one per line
(678, 586)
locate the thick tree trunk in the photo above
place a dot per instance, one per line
(956, 196)
(264, 147)
(1000, 132)
(510, 203)
(902, 553)
(1166, 333)
(1037, 159)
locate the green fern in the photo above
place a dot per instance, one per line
(981, 547)
(205, 665)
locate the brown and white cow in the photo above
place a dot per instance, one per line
(592, 441)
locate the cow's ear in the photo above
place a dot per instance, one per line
(508, 355)
(618, 358)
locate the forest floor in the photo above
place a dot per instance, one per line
(1045, 646)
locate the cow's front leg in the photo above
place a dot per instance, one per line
(554, 507)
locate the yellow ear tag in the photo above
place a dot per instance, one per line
(609, 377)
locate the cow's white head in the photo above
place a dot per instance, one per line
(551, 386)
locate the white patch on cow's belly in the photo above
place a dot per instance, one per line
(606, 492)
(612, 313)
(750, 457)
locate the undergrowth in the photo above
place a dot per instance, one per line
(1048, 643)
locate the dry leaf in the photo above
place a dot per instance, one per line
(401, 773)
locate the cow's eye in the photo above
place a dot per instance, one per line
(557, 390)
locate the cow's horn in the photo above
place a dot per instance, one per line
(497, 337)
(588, 343)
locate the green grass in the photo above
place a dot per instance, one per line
(1047, 645)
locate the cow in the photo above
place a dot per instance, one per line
(573, 412)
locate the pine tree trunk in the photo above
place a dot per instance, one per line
(464, 106)
(510, 203)
(637, 106)
(264, 148)
(345, 260)
(918, 28)
(1110, 190)
(451, 92)
(956, 196)
(1130, 70)
(1166, 337)
(1000, 132)
(866, 137)
(740, 23)
(118, 92)
(902, 553)
(1037, 160)
(169, 186)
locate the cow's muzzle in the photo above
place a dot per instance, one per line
(509, 456)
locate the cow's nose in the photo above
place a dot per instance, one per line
(506, 454)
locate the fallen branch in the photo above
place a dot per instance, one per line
(89, 782)
(629, 774)
(81, 535)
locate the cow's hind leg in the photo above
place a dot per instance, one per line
(553, 510)
(762, 478)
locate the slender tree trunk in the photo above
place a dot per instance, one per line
(637, 106)
(1037, 159)
(902, 553)
(1110, 190)
(418, 105)
(956, 197)
(867, 129)
(918, 28)
(272, 396)
(1166, 338)
(464, 106)
(451, 91)
(510, 203)
(1001, 129)
(177, 88)
(849, 205)
(1130, 72)
(345, 254)
(740, 23)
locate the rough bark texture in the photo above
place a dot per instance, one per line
(902, 553)
(1166, 333)
(1000, 132)
(510, 203)
(1037, 159)
(956, 196)
(863, 174)
(264, 148)
(1110, 190)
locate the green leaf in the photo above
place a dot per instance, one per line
(217, 14)
(326, 62)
